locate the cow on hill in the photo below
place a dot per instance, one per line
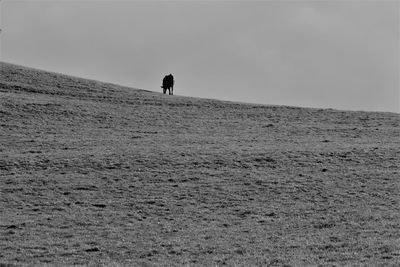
(168, 83)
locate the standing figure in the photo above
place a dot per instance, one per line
(168, 83)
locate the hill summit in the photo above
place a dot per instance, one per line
(94, 173)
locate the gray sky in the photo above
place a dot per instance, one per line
(331, 54)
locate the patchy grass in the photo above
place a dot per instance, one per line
(98, 174)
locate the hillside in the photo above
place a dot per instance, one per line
(98, 174)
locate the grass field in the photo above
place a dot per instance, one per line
(98, 174)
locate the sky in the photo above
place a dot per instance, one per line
(323, 54)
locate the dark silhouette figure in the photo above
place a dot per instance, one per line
(168, 83)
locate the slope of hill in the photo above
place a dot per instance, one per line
(98, 174)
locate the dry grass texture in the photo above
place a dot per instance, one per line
(98, 174)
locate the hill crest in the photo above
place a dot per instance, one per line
(47, 82)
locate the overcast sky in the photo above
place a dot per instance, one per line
(330, 54)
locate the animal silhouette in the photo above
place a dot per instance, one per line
(168, 83)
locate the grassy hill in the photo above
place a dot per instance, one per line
(98, 174)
